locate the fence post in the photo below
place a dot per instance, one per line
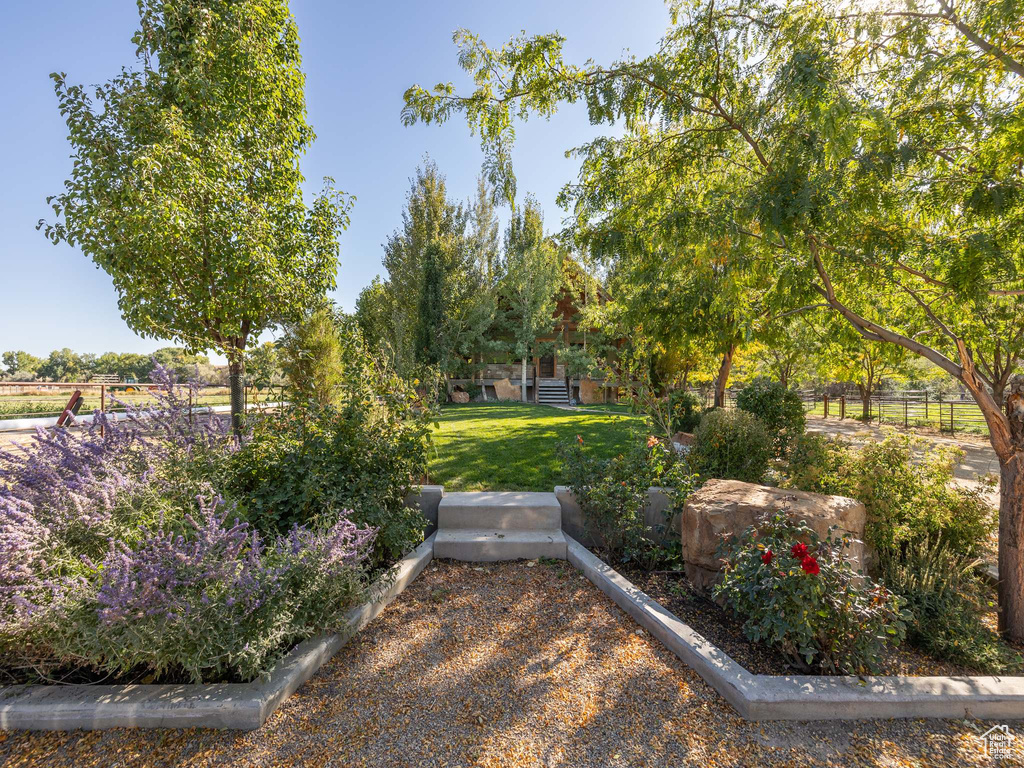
(926, 405)
(952, 427)
(842, 407)
(906, 405)
(103, 407)
(825, 398)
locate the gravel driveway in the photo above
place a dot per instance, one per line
(509, 665)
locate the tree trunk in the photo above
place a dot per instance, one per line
(236, 373)
(865, 401)
(1011, 546)
(723, 377)
(1006, 433)
(522, 381)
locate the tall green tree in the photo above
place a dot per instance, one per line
(530, 283)
(852, 151)
(185, 186)
(375, 311)
(429, 216)
(63, 365)
(456, 309)
(310, 356)
(129, 365)
(21, 362)
(431, 306)
(181, 361)
(844, 355)
(484, 239)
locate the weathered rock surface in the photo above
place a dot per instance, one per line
(505, 390)
(460, 397)
(590, 392)
(725, 507)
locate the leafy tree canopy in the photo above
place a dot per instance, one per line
(185, 184)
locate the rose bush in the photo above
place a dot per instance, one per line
(799, 594)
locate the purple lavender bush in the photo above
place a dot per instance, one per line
(118, 557)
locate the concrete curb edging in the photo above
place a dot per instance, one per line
(805, 697)
(242, 706)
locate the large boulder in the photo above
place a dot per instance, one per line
(590, 392)
(725, 507)
(459, 396)
(505, 390)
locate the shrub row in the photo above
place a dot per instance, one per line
(163, 549)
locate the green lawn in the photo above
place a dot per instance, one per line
(609, 407)
(511, 446)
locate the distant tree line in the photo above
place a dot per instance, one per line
(68, 365)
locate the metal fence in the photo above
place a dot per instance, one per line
(912, 408)
(909, 409)
(57, 401)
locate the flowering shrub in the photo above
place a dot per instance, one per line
(361, 453)
(117, 556)
(800, 595)
(612, 494)
(213, 602)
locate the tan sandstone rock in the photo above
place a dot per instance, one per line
(505, 390)
(683, 438)
(725, 507)
(590, 392)
(460, 397)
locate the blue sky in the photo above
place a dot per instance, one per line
(359, 58)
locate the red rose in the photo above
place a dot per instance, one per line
(810, 565)
(766, 558)
(799, 550)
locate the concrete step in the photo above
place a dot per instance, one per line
(487, 545)
(510, 511)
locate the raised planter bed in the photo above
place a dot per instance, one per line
(225, 705)
(805, 697)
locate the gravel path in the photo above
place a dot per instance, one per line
(508, 665)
